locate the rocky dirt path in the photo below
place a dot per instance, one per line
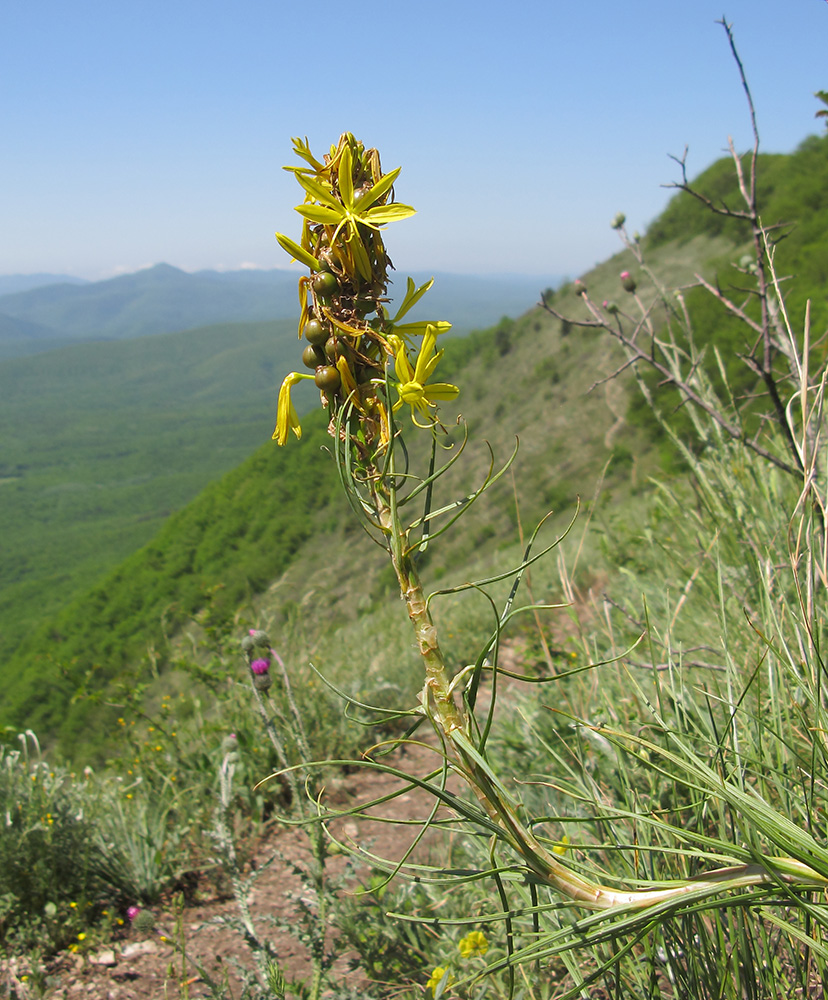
(149, 967)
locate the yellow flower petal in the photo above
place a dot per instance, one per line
(286, 416)
(474, 943)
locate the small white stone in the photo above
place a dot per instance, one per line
(103, 958)
(135, 948)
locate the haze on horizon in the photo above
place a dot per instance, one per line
(141, 134)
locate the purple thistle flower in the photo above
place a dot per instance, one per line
(260, 666)
(133, 912)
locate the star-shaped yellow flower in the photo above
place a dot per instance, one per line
(413, 385)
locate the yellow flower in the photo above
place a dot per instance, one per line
(437, 978)
(474, 943)
(413, 388)
(286, 416)
(561, 846)
(81, 936)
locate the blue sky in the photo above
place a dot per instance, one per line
(135, 133)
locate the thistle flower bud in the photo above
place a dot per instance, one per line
(618, 220)
(259, 668)
(628, 281)
(610, 307)
(259, 637)
(580, 287)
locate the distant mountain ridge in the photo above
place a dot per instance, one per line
(10, 283)
(165, 299)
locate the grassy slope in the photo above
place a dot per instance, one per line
(101, 442)
(526, 376)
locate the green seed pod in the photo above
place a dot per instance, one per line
(316, 333)
(330, 348)
(325, 284)
(327, 378)
(364, 305)
(313, 357)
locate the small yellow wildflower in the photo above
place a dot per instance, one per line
(437, 978)
(562, 845)
(413, 388)
(81, 936)
(474, 943)
(73, 906)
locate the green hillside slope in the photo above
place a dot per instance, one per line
(99, 443)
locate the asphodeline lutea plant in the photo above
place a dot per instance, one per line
(369, 367)
(356, 351)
